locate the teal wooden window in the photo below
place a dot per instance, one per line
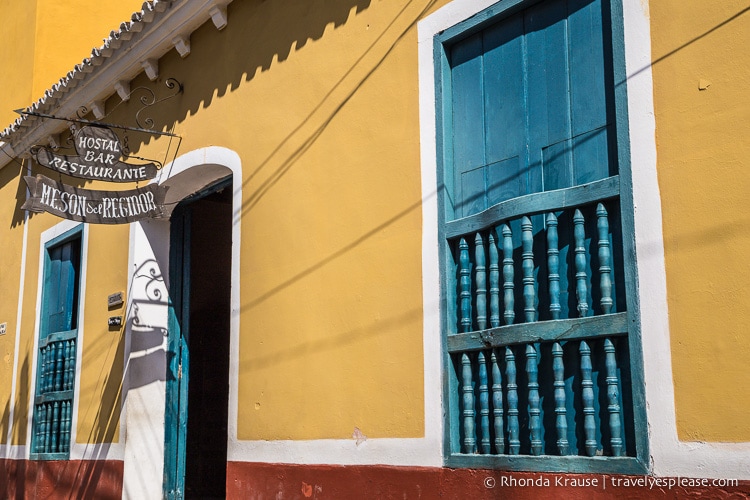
(56, 356)
(542, 346)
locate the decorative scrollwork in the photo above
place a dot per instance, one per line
(136, 317)
(140, 327)
(82, 112)
(154, 285)
(172, 83)
(70, 142)
(155, 280)
(147, 100)
(151, 100)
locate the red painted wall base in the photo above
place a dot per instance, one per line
(259, 481)
(58, 479)
(102, 479)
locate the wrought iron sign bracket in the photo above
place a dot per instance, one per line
(147, 101)
(94, 123)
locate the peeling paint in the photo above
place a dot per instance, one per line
(644, 8)
(361, 438)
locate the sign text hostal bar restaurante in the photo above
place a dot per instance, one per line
(99, 152)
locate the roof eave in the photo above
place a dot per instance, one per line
(151, 33)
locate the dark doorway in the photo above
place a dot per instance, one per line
(198, 390)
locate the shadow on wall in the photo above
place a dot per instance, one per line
(80, 479)
(149, 299)
(96, 477)
(259, 34)
(106, 422)
(20, 415)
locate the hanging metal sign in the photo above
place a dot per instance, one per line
(96, 207)
(99, 152)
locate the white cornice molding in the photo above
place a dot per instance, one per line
(149, 35)
(6, 154)
(182, 45)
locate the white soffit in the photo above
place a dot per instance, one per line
(148, 35)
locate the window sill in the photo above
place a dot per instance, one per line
(547, 463)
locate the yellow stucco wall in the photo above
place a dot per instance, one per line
(319, 99)
(66, 31)
(41, 41)
(701, 88)
(10, 266)
(29, 317)
(101, 364)
(320, 102)
(332, 330)
(17, 43)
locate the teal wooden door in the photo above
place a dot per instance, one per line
(198, 346)
(56, 361)
(178, 356)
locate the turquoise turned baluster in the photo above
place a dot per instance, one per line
(494, 282)
(464, 272)
(46, 354)
(605, 259)
(481, 281)
(55, 431)
(580, 261)
(63, 417)
(43, 369)
(497, 404)
(39, 436)
(529, 295)
(49, 379)
(589, 425)
(70, 364)
(46, 426)
(527, 264)
(39, 429)
(508, 299)
(51, 357)
(514, 445)
(561, 420)
(59, 355)
(66, 369)
(535, 420)
(553, 265)
(66, 424)
(484, 405)
(613, 399)
(467, 388)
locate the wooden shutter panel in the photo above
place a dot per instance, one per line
(62, 284)
(529, 105)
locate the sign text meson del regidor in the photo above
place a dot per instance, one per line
(94, 206)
